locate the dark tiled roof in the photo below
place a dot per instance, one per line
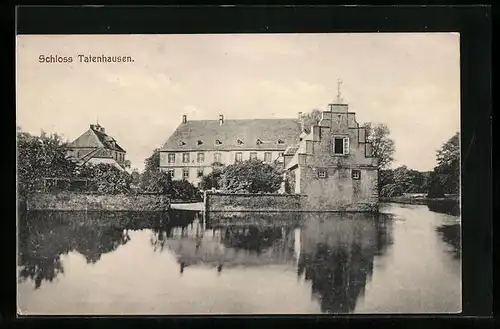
(95, 139)
(268, 131)
(291, 150)
(106, 141)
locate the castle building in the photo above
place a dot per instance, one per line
(197, 146)
(95, 146)
(333, 165)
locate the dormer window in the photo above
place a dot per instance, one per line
(259, 142)
(239, 141)
(181, 143)
(280, 141)
(218, 142)
(199, 142)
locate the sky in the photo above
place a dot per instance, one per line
(408, 81)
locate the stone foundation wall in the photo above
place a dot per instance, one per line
(67, 201)
(252, 202)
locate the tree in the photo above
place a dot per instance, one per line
(136, 177)
(150, 177)
(157, 182)
(107, 179)
(211, 180)
(312, 118)
(383, 146)
(445, 178)
(251, 176)
(39, 157)
(184, 190)
(153, 162)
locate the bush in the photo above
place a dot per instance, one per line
(106, 179)
(211, 180)
(251, 176)
(156, 182)
(184, 190)
(40, 157)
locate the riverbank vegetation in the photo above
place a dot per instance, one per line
(44, 165)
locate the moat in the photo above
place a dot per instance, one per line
(405, 260)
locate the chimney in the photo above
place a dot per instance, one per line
(221, 119)
(102, 129)
(184, 119)
(301, 119)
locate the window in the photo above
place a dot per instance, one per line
(238, 157)
(341, 145)
(185, 157)
(199, 142)
(218, 142)
(253, 155)
(280, 141)
(259, 142)
(199, 172)
(185, 173)
(239, 141)
(356, 174)
(200, 158)
(171, 158)
(217, 157)
(322, 173)
(171, 173)
(181, 143)
(77, 154)
(267, 157)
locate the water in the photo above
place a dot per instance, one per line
(406, 260)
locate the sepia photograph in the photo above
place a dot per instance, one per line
(224, 174)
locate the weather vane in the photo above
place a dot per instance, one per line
(339, 98)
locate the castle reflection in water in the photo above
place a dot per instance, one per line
(333, 252)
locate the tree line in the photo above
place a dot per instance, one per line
(43, 163)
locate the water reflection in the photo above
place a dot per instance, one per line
(46, 235)
(325, 260)
(450, 233)
(337, 256)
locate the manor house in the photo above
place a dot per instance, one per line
(332, 163)
(197, 146)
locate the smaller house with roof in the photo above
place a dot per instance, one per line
(95, 146)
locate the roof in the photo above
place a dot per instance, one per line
(234, 135)
(112, 162)
(96, 139)
(106, 141)
(291, 150)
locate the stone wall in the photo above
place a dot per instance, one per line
(234, 202)
(328, 178)
(338, 191)
(68, 201)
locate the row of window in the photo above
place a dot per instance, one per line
(355, 174)
(322, 173)
(200, 157)
(118, 156)
(185, 173)
(239, 141)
